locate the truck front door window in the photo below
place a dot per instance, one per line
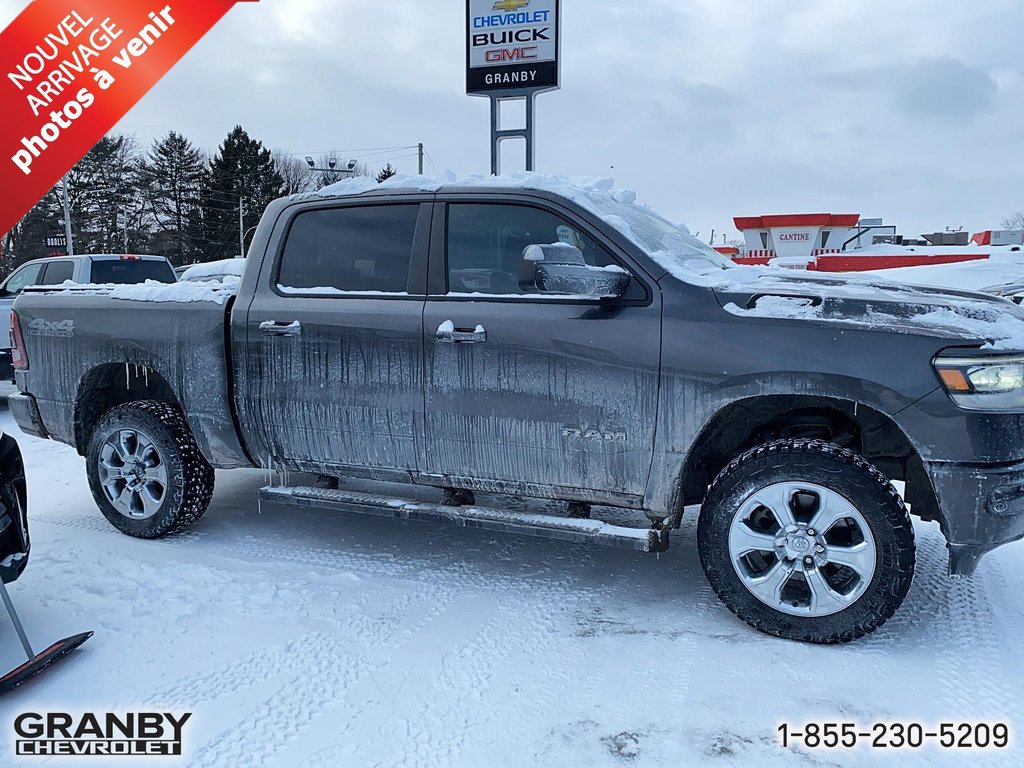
(349, 250)
(486, 245)
(24, 277)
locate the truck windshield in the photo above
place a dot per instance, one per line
(668, 244)
(130, 271)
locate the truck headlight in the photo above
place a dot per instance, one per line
(984, 383)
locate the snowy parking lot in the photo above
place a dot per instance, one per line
(303, 638)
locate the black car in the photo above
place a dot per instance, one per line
(14, 542)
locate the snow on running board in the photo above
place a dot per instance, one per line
(544, 526)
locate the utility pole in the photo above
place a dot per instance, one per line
(124, 212)
(67, 217)
(421, 157)
(241, 224)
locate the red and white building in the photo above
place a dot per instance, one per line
(835, 242)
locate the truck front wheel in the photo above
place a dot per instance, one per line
(807, 541)
(146, 472)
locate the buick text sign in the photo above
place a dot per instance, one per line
(512, 45)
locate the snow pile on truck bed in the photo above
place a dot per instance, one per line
(153, 291)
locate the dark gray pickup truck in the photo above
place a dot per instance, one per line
(564, 343)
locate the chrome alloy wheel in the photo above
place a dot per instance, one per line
(133, 474)
(802, 549)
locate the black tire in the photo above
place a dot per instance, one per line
(841, 472)
(14, 539)
(189, 477)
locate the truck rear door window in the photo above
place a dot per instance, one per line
(130, 271)
(57, 272)
(351, 250)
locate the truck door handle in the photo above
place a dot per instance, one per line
(447, 333)
(272, 328)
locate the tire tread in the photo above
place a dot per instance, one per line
(891, 503)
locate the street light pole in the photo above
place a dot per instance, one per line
(67, 217)
(421, 157)
(241, 224)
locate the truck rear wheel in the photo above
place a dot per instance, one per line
(807, 541)
(146, 472)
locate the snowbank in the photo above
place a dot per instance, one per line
(1002, 267)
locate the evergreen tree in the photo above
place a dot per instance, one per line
(241, 174)
(106, 204)
(386, 173)
(173, 172)
(27, 239)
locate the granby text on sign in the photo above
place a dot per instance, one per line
(512, 46)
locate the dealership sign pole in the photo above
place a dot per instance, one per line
(512, 54)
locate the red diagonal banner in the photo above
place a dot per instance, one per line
(70, 70)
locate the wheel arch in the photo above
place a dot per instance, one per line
(746, 423)
(109, 385)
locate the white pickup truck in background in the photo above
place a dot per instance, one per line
(100, 268)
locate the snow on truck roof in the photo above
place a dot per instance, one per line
(670, 245)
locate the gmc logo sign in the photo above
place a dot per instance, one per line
(511, 54)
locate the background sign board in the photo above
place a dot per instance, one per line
(512, 46)
(57, 242)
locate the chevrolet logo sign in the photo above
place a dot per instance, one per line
(510, 5)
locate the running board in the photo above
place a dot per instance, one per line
(484, 518)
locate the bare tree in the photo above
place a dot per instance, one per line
(298, 176)
(1014, 221)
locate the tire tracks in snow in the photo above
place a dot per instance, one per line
(313, 671)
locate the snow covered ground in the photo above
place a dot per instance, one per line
(1005, 266)
(310, 639)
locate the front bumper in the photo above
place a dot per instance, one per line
(982, 508)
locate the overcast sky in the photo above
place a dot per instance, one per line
(908, 109)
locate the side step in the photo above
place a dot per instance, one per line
(485, 518)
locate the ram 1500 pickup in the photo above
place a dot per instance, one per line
(531, 338)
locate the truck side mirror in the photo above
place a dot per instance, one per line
(560, 268)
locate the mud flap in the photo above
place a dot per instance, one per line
(37, 662)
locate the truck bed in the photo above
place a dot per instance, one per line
(76, 337)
